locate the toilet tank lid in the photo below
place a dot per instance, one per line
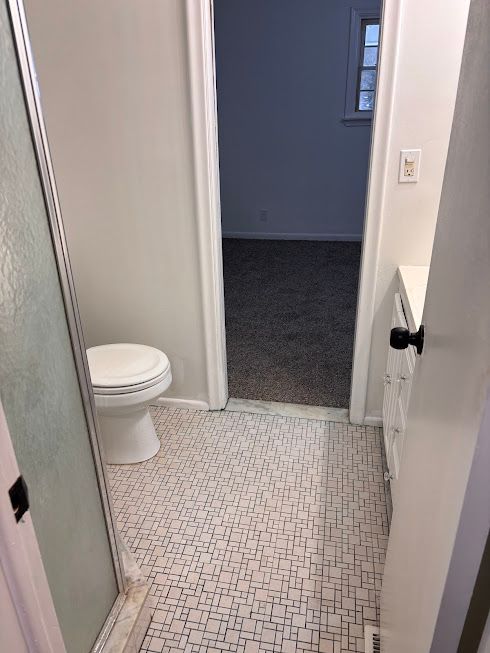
(124, 364)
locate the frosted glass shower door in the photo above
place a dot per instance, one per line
(40, 385)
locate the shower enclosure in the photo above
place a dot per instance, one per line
(44, 382)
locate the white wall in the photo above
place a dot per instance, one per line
(428, 61)
(115, 91)
(281, 76)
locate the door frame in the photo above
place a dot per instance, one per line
(204, 118)
(21, 562)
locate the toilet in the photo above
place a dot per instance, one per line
(126, 378)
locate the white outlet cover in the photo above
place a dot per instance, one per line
(409, 155)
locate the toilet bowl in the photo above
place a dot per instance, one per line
(126, 378)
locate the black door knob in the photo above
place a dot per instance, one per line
(400, 338)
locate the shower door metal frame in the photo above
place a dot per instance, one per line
(48, 183)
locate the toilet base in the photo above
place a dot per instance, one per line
(129, 437)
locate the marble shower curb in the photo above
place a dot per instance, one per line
(339, 415)
(127, 632)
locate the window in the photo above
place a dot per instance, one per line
(362, 66)
(367, 65)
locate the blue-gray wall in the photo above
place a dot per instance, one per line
(281, 76)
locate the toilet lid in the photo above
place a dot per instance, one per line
(122, 364)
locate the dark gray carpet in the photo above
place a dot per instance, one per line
(290, 316)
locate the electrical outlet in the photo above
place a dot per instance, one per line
(263, 215)
(409, 166)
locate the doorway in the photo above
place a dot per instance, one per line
(290, 312)
(295, 95)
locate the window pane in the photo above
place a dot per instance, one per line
(370, 56)
(372, 35)
(366, 100)
(368, 80)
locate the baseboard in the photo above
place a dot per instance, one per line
(259, 235)
(191, 404)
(373, 420)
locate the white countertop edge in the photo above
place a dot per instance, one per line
(413, 286)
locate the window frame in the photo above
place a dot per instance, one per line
(351, 115)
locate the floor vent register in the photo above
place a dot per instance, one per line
(373, 640)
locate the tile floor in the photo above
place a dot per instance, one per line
(257, 532)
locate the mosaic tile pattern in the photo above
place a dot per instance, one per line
(257, 532)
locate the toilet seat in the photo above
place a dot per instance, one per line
(128, 389)
(124, 368)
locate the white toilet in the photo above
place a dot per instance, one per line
(126, 378)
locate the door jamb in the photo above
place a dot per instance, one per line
(200, 38)
(200, 34)
(22, 564)
(373, 219)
